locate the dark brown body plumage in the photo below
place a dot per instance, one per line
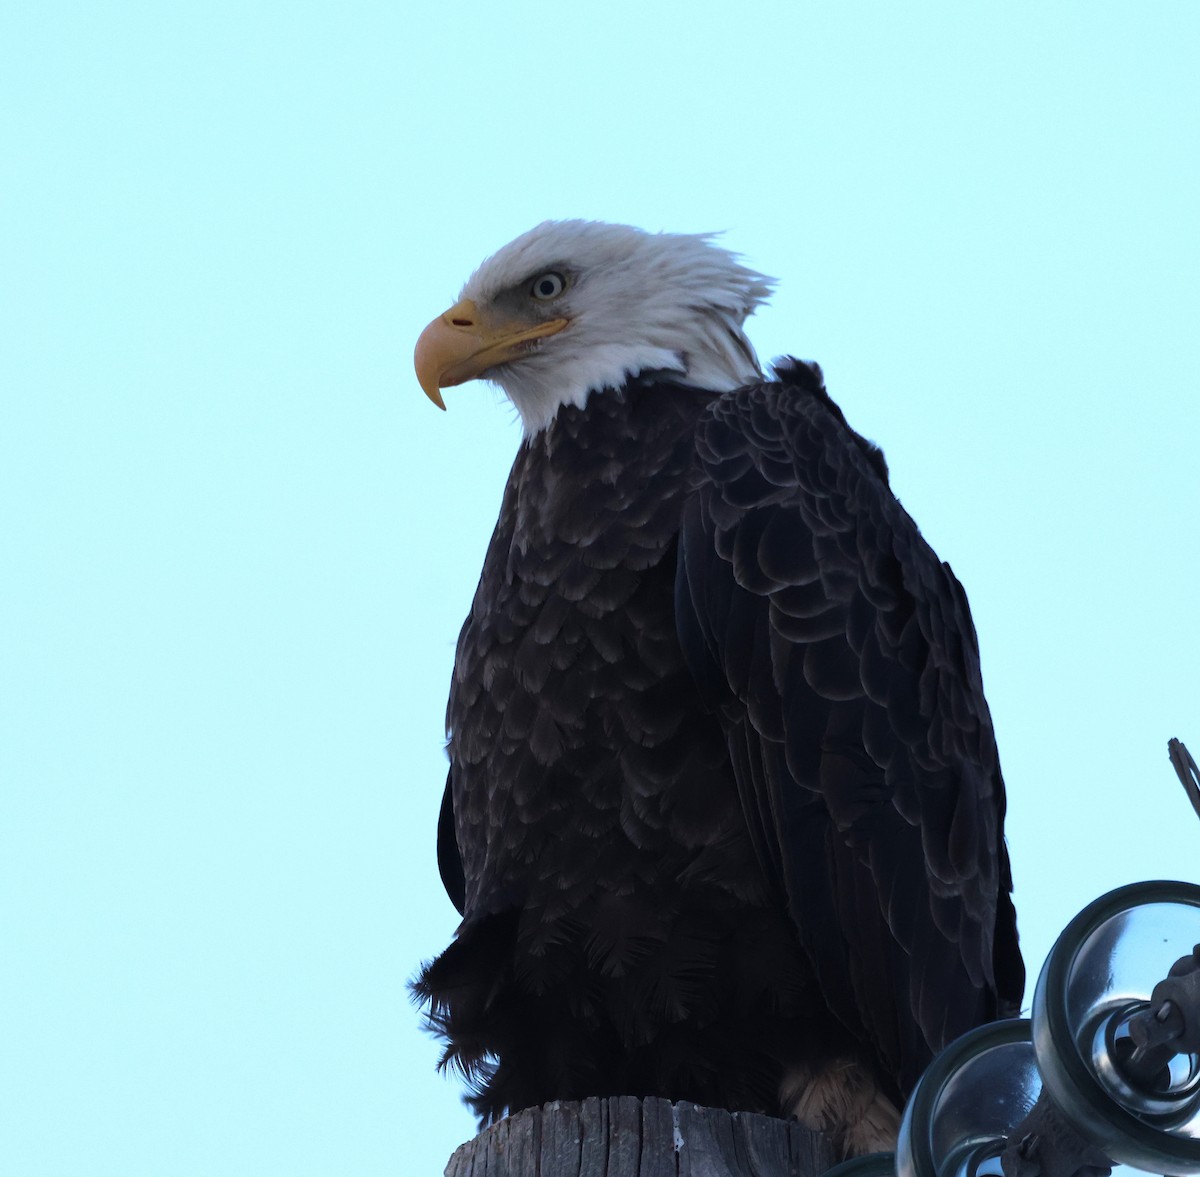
(724, 795)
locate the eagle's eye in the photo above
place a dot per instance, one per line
(547, 286)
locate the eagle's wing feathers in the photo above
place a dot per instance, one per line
(449, 858)
(840, 654)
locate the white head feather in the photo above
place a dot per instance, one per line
(636, 302)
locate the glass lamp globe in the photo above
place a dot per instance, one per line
(1100, 974)
(968, 1100)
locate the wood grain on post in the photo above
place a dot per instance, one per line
(627, 1137)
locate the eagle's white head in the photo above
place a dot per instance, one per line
(573, 307)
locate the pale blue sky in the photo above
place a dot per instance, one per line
(238, 542)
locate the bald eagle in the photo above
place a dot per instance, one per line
(724, 816)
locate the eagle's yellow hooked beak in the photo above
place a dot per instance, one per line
(463, 344)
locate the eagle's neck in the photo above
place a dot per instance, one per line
(705, 348)
(596, 470)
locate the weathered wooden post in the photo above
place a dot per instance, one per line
(628, 1137)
